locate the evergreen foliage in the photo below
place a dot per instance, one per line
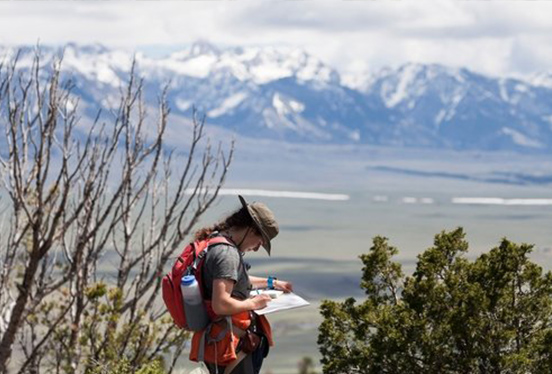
(452, 315)
(125, 367)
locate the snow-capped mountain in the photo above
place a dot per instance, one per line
(258, 65)
(290, 95)
(457, 108)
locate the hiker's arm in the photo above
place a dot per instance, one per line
(225, 305)
(279, 284)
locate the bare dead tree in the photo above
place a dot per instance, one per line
(90, 221)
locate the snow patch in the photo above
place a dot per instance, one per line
(296, 106)
(198, 67)
(440, 116)
(542, 80)
(355, 136)
(284, 106)
(521, 88)
(71, 104)
(183, 105)
(458, 96)
(107, 76)
(315, 70)
(457, 74)
(97, 64)
(400, 92)
(269, 72)
(279, 105)
(236, 67)
(520, 139)
(228, 104)
(503, 90)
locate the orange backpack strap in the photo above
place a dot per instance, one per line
(218, 342)
(218, 240)
(207, 339)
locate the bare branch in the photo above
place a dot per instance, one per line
(90, 204)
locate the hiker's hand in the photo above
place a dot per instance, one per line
(260, 301)
(283, 285)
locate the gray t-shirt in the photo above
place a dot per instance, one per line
(224, 262)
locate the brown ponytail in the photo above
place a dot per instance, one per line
(238, 219)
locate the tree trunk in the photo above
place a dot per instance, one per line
(18, 311)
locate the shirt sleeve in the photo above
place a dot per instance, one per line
(225, 262)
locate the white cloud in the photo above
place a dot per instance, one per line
(493, 37)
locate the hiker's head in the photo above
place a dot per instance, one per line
(252, 225)
(242, 229)
(264, 223)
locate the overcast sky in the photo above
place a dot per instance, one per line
(494, 37)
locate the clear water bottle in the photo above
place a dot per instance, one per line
(196, 314)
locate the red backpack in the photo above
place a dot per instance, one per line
(187, 263)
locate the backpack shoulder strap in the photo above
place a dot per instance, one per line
(211, 242)
(219, 240)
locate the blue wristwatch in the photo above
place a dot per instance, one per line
(270, 282)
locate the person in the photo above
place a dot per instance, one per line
(227, 283)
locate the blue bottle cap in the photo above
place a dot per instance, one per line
(187, 280)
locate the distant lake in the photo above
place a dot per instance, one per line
(340, 231)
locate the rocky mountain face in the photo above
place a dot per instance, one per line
(290, 95)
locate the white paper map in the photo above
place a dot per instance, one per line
(280, 301)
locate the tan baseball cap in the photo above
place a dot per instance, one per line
(264, 221)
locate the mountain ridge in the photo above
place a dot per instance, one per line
(287, 94)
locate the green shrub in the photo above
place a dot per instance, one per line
(453, 315)
(125, 367)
